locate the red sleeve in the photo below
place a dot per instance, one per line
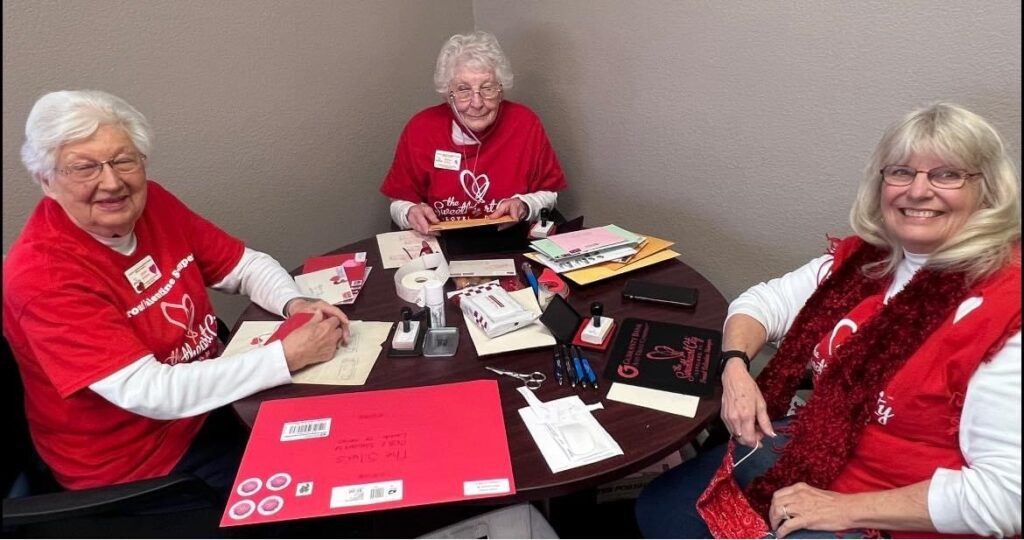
(217, 252)
(77, 332)
(405, 180)
(547, 173)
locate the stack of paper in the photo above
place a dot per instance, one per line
(587, 270)
(348, 267)
(587, 247)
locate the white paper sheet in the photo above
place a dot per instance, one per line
(398, 248)
(566, 432)
(670, 402)
(351, 365)
(328, 285)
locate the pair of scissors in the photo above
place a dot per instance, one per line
(531, 380)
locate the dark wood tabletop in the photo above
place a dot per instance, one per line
(645, 435)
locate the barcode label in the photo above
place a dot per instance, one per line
(363, 494)
(306, 429)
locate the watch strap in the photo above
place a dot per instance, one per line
(735, 353)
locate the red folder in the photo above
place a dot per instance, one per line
(351, 264)
(364, 451)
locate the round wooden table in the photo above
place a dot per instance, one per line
(645, 435)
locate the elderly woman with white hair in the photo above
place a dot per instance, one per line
(912, 333)
(106, 310)
(475, 155)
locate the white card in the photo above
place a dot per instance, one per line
(143, 274)
(482, 268)
(659, 400)
(447, 160)
(326, 285)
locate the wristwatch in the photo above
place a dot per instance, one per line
(726, 355)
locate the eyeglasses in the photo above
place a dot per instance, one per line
(486, 92)
(939, 177)
(85, 171)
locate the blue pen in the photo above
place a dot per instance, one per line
(532, 279)
(591, 376)
(581, 376)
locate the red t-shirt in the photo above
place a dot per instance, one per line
(74, 313)
(468, 181)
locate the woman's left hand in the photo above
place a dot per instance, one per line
(801, 506)
(513, 207)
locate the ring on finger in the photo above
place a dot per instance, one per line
(785, 514)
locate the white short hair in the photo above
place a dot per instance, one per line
(478, 50)
(67, 116)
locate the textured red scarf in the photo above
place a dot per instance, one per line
(826, 430)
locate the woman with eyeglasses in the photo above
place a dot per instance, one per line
(475, 155)
(912, 333)
(106, 310)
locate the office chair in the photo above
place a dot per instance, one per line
(35, 505)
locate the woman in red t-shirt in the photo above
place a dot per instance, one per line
(475, 155)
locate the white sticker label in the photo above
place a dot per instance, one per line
(306, 429)
(484, 487)
(142, 274)
(447, 160)
(363, 494)
(303, 489)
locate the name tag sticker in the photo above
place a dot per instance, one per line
(142, 274)
(447, 160)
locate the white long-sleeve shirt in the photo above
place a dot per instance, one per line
(985, 496)
(150, 388)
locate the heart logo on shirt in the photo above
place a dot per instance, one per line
(475, 186)
(181, 315)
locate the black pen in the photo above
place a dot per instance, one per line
(558, 367)
(569, 367)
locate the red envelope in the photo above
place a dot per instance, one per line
(354, 269)
(288, 326)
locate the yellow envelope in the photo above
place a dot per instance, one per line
(591, 274)
(649, 247)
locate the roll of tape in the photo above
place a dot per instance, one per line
(412, 276)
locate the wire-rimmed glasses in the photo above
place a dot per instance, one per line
(939, 177)
(487, 91)
(89, 170)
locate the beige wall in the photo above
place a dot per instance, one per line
(275, 119)
(740, 128)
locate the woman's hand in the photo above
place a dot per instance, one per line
(314, 342)
(801, 506)
(513, 207)
(313, 305)
(743, 407)
(421, 217)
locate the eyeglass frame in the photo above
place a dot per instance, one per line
(964, 176)
(455, 93)
(66, 170)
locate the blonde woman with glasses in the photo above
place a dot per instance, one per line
(911, 330)
(476, 154)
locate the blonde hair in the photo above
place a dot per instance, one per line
(986, 241)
